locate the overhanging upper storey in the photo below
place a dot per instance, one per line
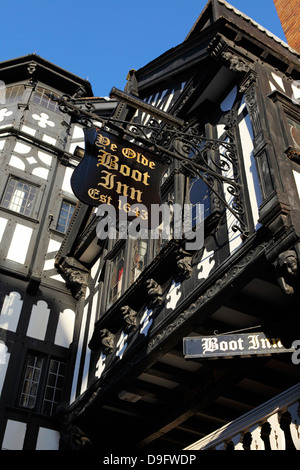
(206, 85)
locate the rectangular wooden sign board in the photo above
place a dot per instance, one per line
(246, 344)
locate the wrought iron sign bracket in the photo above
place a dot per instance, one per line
(214, 161)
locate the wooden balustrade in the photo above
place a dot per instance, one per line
(274, 425)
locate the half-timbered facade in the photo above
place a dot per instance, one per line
(221, 111)
(37, 311)
(232, 86)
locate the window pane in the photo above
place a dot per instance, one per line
(139, 259)
(20, 197)
(41, 97)
(295, 131)
(14, 93)
(66, 212)
(199, 194)
(117, 275)
(54, 387)
(31, 381)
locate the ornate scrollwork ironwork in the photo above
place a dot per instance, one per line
(214, 161)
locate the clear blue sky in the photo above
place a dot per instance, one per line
(102, 40)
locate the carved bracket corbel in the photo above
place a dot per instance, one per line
(286, 267)
(154, 292)
(31, 69)
(227, 52)
(130, 317)
(102, 340)
(184, 262)
(75, 275)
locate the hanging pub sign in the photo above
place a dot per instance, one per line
(113, 169)
(201, 347)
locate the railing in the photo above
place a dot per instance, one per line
(275, 425)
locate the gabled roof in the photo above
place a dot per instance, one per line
(216, 9)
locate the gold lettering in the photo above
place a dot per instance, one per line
(128, 153)
(125, 170)
(145, 178)
(136, 175)
(152, 165)
(109, 180)
(141, 159)
(101, 140)
(135, 192)
(108, 160)
(94, 193)
(122, 189)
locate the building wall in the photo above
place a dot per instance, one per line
(289, 12)
(37, 311)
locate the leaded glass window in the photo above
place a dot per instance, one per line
(42, 384)
(117, 277)
(66, 212)
(20, 197)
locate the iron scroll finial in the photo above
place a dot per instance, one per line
(215, 161)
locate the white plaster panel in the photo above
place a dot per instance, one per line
(4, 113)
(278, 80)
(28, 130)
(14, 435)
(79, 352)
(48, 439)
(38, 320)
(22, 148)
(84, 383)
(206, 264)
(66, 186)
(173, 295)
(17, 162)
(19, 244)
(65, 328)
(4, 360)
(45, 158)
(78, 132)
(296, 91)
(3, 223)
(250, 168)
(297, 181)
(40, 172)
(10, 312)
(53, 246)
(43, 120)
(48, 139)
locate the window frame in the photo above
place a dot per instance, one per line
(73, 204)
(40, 98)
(42, 384)
(17, 97)
(36, 201)
(111, 300)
